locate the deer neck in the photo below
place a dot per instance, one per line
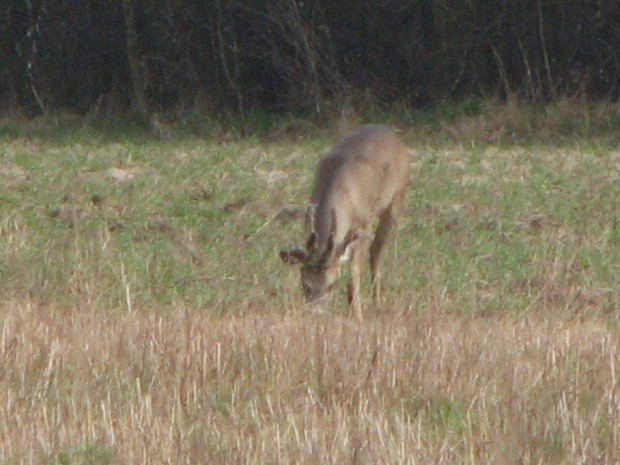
(323, 220)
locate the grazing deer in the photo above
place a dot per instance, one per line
(362, 178)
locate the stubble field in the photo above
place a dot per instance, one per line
(146, 316)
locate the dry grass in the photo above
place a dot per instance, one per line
(184, 387)
(517, 122)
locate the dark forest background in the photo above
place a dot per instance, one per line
(116, 56)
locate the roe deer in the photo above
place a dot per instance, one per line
(362, 178)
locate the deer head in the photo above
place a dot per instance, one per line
(319, 265)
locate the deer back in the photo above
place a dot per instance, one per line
(358, 179)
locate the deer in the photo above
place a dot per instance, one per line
(361, 181)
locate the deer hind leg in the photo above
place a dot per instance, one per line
(385, 230)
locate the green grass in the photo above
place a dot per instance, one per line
(197, 217)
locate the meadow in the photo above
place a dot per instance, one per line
(146, 316)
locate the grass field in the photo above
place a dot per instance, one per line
(147, 318)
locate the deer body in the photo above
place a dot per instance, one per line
(362, 179)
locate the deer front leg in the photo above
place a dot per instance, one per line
(387, 225)
(355, 275)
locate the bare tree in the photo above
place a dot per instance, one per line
(295, 38)
(28, 49)
(300, 55)
(138, 97)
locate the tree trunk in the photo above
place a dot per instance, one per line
(138, 97)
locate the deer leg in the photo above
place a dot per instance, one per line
(353, 288)
(387, 225)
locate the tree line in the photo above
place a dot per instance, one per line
(113, 56)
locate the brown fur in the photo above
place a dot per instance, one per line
(363, 178)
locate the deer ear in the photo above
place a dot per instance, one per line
(310, 219)
(331, 239)
(329, 248)
(311, 242)
(293, 257)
